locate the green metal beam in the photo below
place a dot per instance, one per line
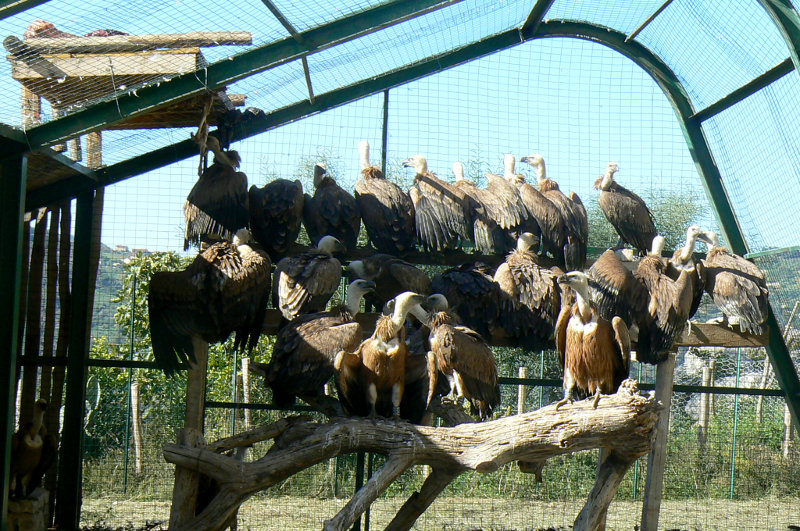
(12, 192)
(227, 71)
(12, 7)
(535, 17)
(785, 17)
(764, 80)
(68, 498)
(701, 153)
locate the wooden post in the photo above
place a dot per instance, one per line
(75, 151)
(136, 413)
(248, 414)
(184, 490)
(31, 108)
(522, 391)
(788, 427)
(58, 112)
(705, 402)
(94, 150)
(654, 486)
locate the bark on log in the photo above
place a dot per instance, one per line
(135, 43)
(623, 421)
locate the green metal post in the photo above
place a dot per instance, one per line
(234, 394)
(359, 484)
(541, 377)
(735, 422)
(385, 134)
(68, 498)
(130, 383)
(12, 201)
(636, 463)
(370, 458)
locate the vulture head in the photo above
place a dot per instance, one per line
(330, 245)
(578, 281)
(320, 174)
(418, 162)
(357, 269)
(228, 158)
(657, 246)
(356, 291)
(692, 235)
(604, 182)
(537, 162)
(709, 237)
(436, 303)
(525, 241)
(403, 305)
(458, 171)
(242, 237)
(363, 152)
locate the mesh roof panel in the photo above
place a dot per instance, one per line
(715, 46)
(412, 41)
(307, 15)
(275, 88)
(621, 15)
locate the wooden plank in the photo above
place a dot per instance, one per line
(176, 61)
(654, 486)
(132, 43)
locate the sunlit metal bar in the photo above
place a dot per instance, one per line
(308, 80)
(650, 19)
(535, 17)
(283, 20)
(13, 7)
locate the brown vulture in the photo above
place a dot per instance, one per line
(371, 379)
(304, 283)
(463, 357)
(332, 210)
(217, 205)
(616, 291)
(387, 211)
(441, 209)
(683, 259)
(533, 289)
(276, 211)
(668, 306)
(737, 286)
(392, 276)
(594, 352)
(32, 453)
(225, 289)
(304, 349)
(626, 211)
(573, 214)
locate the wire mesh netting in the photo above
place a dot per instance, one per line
(730, 465)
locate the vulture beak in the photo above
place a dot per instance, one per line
(524, 159)
(563, 279)
(339, 247)
(368, 285)
(703, 237)
(407, 163)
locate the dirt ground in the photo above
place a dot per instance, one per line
(457, 514)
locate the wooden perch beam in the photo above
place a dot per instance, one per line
(623, 421)
(136, 43)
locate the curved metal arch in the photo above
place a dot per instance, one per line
(786, 18)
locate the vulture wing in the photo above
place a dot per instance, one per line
(332, 211)
(615, 290)
(217, 205)
(305, 283)
(441, 212)
(276, 211)
(388, 214)
(629, 215)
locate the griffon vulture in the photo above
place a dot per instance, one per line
(616, 291)
(304, 349)
(626, 211)
(304, 283)
(573, 214)
(225, 289)
(32, 453)
(332, 211)
(276, 211)
(387, 211)
(683, 259)
(594, 352)
(737, 286)
(441, 209)
(371, 380)
(217, 205)
(392, 276)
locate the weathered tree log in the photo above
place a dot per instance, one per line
(135, 43)
(623, 422)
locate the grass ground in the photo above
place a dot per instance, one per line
(455, 514)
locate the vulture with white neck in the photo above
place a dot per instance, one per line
(573, 214)
(217, 205)
(392, 276)
(386, 210)
(683, 259)
(304, 349)
(616, 291)
(331, 211)
(594, 352)
(371, 379)
(626, 211)
(276, 212)
(441, 209)
(225, 289)
(737, 286)
(304, 283)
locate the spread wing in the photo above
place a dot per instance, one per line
(388, 214)
(738, 288)
(503, 202)
(441, 212)
(217, 205)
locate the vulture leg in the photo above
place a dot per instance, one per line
(397, 397)
(620, 244)
(372, 399)
(569, 389)
(596, 398)
(433, 376)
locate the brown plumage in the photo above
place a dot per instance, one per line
(573, 215)
(626, 211)
(441, 209)
(667, 308)
(371, 380)
(548, 217)
(737, 286)
(387, 211)
(594, 353)
(32, 453)
(464, 358)
(276, 211)
(533, 289)
(332, 210)
(683, 259)
(304, 349)
(304, 283)
(225, 289)
(392, 276)
(217, 205)
(615, 290)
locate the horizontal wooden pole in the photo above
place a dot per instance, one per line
(133, 43)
